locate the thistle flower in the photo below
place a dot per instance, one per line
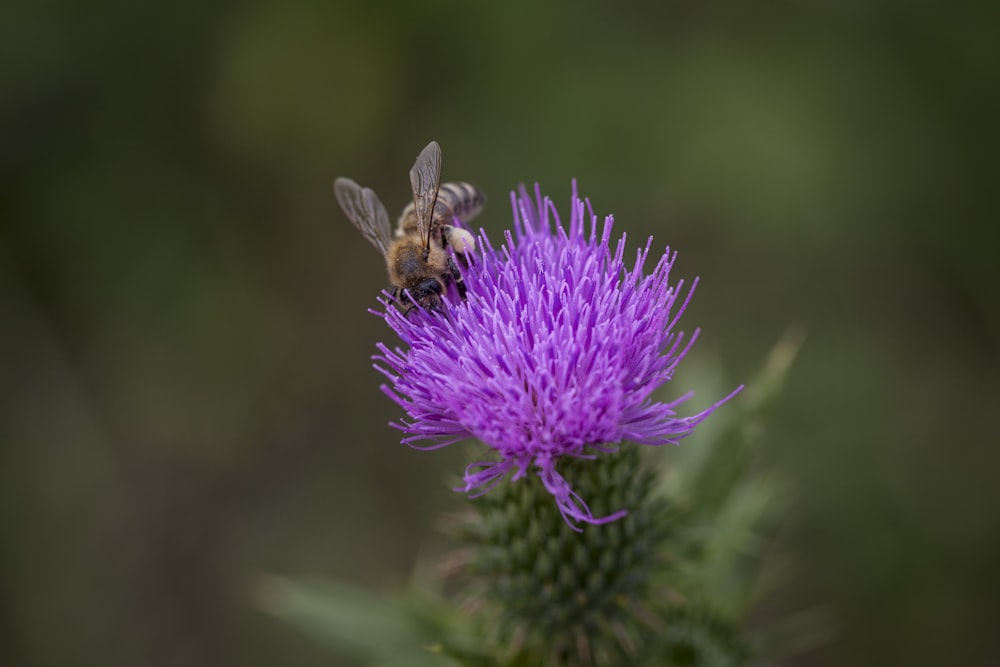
(555, 352)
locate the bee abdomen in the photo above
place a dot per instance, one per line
(463, 201)
(455, 200)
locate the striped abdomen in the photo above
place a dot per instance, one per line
(455, 200)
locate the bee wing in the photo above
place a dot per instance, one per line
(365, 212)
(425, 179)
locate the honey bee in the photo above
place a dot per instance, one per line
(417, 257)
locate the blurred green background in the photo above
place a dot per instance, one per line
(187, 393)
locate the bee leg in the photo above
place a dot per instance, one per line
(445, 235)
(459, 240)
(457, 277)
(401, 300)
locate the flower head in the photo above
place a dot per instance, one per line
(556, 351)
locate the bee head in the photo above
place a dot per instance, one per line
(427, 294)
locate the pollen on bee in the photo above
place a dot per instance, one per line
(461, 240)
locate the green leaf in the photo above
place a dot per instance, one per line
(371, 627)
(711, 469)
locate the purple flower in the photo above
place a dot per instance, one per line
(556, 351)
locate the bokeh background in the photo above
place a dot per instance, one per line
(187, 393)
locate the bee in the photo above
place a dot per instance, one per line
(417, 257)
